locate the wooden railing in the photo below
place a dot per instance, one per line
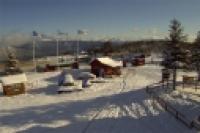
(177, 114)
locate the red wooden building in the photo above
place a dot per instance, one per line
(13, 84)
(138, 60)
(105, 66)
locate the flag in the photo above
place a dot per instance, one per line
(82, 32)
(36, 34)
(61, 33)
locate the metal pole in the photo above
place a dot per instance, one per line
(77, 49)
(57, 52)
(34, 61)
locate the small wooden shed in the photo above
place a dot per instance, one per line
(138, 60)
(105, 66)
(13, 84)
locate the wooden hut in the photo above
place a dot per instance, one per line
(13, 84)
(138, 60)
(105, 66)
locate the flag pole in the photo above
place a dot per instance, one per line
(77, 48)
(34, 61)
(57, 52)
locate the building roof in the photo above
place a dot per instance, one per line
(108, 61)
(13, 79)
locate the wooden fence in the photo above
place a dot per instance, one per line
(178, 115)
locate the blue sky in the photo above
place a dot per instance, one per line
(122, 19)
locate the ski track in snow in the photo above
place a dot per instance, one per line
(107, 114)
(135, 110)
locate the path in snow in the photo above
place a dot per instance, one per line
(133, 113)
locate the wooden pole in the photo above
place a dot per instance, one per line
(174, 78)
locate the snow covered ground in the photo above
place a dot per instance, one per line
(186, 101)
(119, 105)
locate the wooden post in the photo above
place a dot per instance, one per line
(167, 83)
(176, 114)
(196, 84)
(163, 84)
(174, 78)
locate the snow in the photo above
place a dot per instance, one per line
(69, 88)
(108, 61)
(88, 75)
(13, 79)
(185, 101)
(68, 79)
(119, 105)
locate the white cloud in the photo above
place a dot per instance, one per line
(138, 33)
(15, 39)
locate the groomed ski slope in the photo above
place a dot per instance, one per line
(118, 106)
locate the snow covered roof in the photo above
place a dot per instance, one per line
(13, 79)
(86, 75)
(68, 79)
(108, 61)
